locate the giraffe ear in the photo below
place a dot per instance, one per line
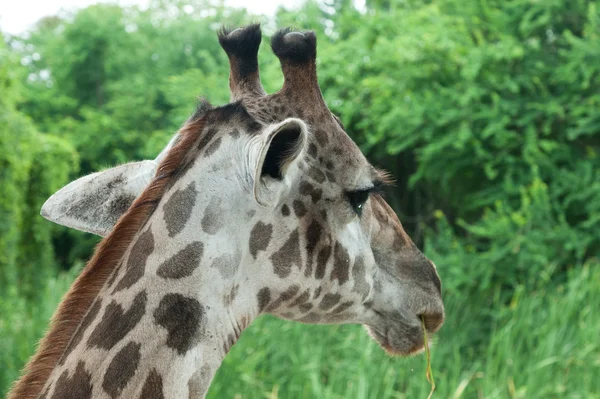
(282, 146)
(95, 202)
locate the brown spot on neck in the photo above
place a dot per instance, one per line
(313, 235)
(183, 263)
(121, 369)
(153, 387)
(341, 264)
(212, 221)
(136, 263)
(260, 236)
(79, 386)
(182, 317)
(117, 323)
(287, 255)
(264, 298)
(178, 208)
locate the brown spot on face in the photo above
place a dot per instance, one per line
(305, 307)
(79, 386)
(315, 174)
(301, 299)
(182, 317)
(329, 300)
(359, 277)
(317, 292)
(322, 259)
(341, 264)
(308, 189)
(329, 165)
(313, 234)
(121, 369)
(213, 147)
(285, 296)
(178, 208)
(227, 264)
(312, 150)
(342, 307)
(85, 323)
(153, 387)
(260, 236)
(116, 323)
(234, 133)
(264, 297)
(287, 256)
(183, 263)
(330, 177)
(299, 208)
(285, 210)
(136, 262)
(213, 217)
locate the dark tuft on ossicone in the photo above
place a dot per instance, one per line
(241, 42)
(241, 46)
(295, 47)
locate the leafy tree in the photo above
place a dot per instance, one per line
(32, 167)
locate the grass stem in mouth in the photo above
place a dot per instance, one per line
(428, 371)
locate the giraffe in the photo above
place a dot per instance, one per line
(263, 205)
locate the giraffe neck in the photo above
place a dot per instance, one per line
(166, 318)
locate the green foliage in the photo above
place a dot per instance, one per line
(485, 111)
(32, 167)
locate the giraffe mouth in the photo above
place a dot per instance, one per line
(404, 341)
(400, 336)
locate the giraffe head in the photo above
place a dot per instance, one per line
(282, 202)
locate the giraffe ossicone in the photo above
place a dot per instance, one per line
(263, 205)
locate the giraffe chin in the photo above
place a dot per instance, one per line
(400, 341)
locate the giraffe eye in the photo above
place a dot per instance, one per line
(357, 199)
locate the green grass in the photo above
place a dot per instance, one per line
(23, 323)
(542, 345)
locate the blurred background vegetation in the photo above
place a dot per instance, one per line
(487, 112)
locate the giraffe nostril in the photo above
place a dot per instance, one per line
(433, 321)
